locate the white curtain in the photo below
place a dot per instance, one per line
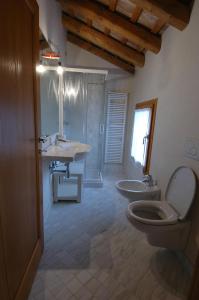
(141, 130)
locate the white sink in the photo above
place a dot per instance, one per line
(67, 151)
(137, 190)
(66, 145)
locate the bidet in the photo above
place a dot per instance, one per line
(137, 190)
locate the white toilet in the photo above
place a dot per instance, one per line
(165, 222)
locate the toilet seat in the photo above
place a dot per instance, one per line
(179, 196)
(166, 215)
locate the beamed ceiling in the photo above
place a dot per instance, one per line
(121, 31)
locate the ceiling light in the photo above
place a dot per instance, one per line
(40, 68)
(51, 55)
(60, 69)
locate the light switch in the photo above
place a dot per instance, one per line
(192, 148)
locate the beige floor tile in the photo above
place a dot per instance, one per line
(74, 285)
(83, 276)
(83, 294)
(93, 285)
(63, 294)
(93, 252)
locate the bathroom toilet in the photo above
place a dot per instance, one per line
(165, 222)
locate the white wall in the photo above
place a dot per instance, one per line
(80, 57)
(50, 22)
(172, 76)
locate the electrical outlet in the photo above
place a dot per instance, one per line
(192, 148)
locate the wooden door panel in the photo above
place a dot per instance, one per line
(19, 204)
(3, 282)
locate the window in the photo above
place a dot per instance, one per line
(143, 128)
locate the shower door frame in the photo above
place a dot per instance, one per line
(95, 182)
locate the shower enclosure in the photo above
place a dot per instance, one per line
(49, 86)
(84, 118)
(83, 114)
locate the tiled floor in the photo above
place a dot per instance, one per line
(93, 252)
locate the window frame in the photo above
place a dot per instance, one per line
(152, 104)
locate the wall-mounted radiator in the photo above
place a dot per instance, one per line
(115, 127)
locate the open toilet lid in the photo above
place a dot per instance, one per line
(181, 190)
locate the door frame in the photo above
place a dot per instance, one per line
(3, 278)
(31, 269)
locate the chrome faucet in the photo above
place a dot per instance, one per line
(148, 179)
(60, 138)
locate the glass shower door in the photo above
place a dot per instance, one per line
(95, 129)
(49, 83)
(84, 119)
(75, 106)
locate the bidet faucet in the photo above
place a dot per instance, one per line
(148, 179)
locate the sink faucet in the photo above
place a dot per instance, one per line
(60, 138)
(148, 179)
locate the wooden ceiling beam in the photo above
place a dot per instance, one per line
(42, 41)
(176, 13)
(113, 4)
(160, 23)
(136, 34)
(107, 31)
(103, 41)
(89, 22)
(43, 44)
(124, 41)
(100, 53)
(136, 14)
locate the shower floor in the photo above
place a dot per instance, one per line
(93, 252)
(93, 178)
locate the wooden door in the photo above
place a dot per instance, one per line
(21, 237)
